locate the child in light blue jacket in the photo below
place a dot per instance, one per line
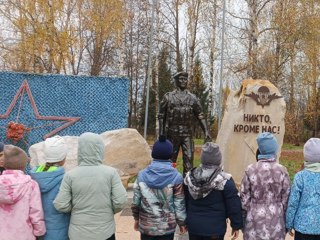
(303, 208)
(158, 204)
(49, 177)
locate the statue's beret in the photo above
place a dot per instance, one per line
(178, 74)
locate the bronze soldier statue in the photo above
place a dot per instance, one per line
(178, 110)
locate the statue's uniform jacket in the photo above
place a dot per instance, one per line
(178, 109)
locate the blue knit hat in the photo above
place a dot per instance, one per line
(268, 145)
(162, 149)
(1, 146)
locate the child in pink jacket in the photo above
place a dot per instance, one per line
(21, 211)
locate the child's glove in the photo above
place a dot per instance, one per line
(291, 232)
(183, 229)
(136, 225)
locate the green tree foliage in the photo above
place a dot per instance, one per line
(152, 115)
(54, 36)
(164, 74)
(310, 31)
(103, 24)
(312, 115)
(198, 87)
(43, 35)
(164, 85)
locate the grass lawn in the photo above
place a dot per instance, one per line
(291, 157)
(292, 160)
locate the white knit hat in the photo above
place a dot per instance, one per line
(311, 150)
(55, 149)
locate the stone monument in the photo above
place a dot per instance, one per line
(256, 107)
(125, 149)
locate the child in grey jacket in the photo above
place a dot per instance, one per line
(92, 192)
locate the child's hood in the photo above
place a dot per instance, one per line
(13, 186)
(160, 174)
(90, 149)
(47, 180)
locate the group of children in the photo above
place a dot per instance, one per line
(50, 204)
(202, 201)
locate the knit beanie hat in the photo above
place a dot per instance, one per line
(162, 149)
(55, 149)
(267, 143)
(14, 158)
(1, 146)
(210, 155)
(311, 150)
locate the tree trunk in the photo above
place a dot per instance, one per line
(253, 38)
(212, 44)
(177, 38)
(194, 9)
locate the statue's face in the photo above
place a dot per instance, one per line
(182, 82)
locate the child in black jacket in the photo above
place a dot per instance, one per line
(211, 198)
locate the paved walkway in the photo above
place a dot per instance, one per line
(125, 231)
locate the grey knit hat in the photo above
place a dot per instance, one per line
(311, 150)
(210, 155)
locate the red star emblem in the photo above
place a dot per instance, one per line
(25, 88)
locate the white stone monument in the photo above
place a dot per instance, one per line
(125, 149)
(256, 107)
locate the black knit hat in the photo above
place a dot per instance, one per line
(162, 149)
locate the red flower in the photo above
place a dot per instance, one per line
(15, 131)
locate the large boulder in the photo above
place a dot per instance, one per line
(256, 107)
(126, 150)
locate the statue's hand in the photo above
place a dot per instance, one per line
(208, 138)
